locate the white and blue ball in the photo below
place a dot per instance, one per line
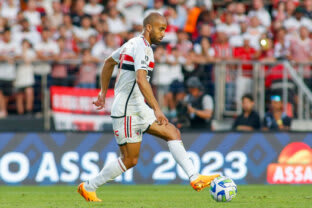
(223, 189)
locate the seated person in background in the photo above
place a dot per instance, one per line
(197, 105)
(249, 120)
(276, 119)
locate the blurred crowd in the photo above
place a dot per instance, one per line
(49, 37)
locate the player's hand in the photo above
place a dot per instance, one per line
(161, 118)
(100, 102)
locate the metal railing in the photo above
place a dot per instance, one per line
(227, 75)
(289, 75)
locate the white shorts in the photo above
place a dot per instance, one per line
(130, 129)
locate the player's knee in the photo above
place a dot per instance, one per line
(174, 134)
(130, 162)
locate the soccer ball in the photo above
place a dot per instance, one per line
(223, 189)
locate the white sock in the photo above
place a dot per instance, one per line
(179, 154)
(112, 170)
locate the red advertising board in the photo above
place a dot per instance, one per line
(73, 109)
(294, 165)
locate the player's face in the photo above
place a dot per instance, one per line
(158, 30)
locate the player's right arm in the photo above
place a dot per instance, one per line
(106, 75)
(147, 92)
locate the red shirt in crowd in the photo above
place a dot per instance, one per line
(245, 54)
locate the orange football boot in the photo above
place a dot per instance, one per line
(203, 181)
(89, 196)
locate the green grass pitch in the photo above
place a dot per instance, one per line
(155, 196)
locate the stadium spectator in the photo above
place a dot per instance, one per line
(307, 8)
(87, 71)
(66, 6)
(9, 11)
(293, 23)
(205, 51)
(244, 78)
(199, 105)
(179, 13)
(229, 26)
(132, 9)
(83, 33)
(282, 45)
(8, 51)
(25, 79)
(60, 71)
(56, 17)
(301, 46)
(266, 52)
(175, 78)
(260, 12)
(240, 13)
(47, 50)
(25, 31)
(276, 119)
(93, 8)
(290, 8)
(249, 120)
(254, 31)
(222, 48)
(184, 45)
(204, 32)
(116, 23)
(158, 7)
(31, 14)
(280, 13)
(3, 24)
(103, 48)
(206, 4)
(77, 13)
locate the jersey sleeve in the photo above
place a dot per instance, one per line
(116, 54)
(140, 57)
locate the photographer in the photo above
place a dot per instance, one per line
(197, 108)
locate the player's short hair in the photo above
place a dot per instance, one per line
(149, 19)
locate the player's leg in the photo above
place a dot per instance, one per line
(128, 159)
(173, 137)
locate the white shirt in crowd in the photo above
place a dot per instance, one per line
(101, 51)
(132, 9)
(83, 33)
(116, 25)
(263, 15)
(32, 36)
(198, 49)
(93, 10)
(230, 30)
(7, 71)
(48, 48)
(9, 13)
(292, 24)
(33, 17)
(254, 34)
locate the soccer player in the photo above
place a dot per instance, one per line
(132, 116)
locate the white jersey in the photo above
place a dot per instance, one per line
(133, 55)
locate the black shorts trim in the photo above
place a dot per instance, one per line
(117, 116)
(122, 144)
(146, 129)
